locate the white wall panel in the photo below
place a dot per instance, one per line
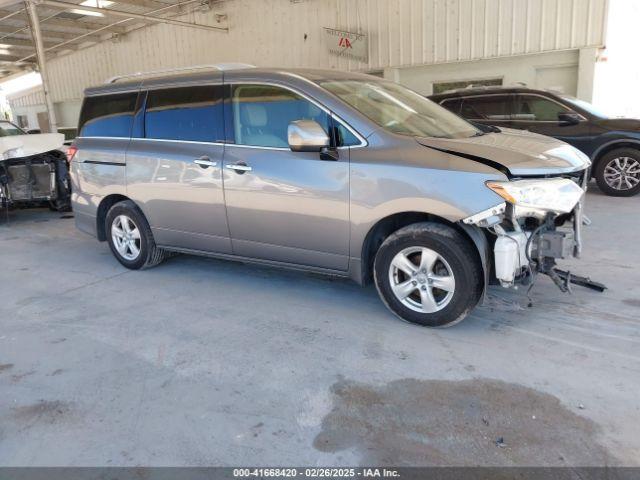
(32, 96)
(400, 33)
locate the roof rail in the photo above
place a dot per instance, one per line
(486, 87)
(155, 73)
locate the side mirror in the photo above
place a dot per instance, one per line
(568, 118)
(307, 136)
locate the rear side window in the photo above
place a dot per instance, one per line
(491, 107)
(186, 113)
(107, 115)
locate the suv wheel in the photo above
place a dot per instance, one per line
(428, 274)
(130, 237)
(618, 172)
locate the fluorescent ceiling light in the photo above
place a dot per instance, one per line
(97, 3)
(86, 12)
(92, 3)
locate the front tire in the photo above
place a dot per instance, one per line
(428, 274)
(130, 238)
(618, 172)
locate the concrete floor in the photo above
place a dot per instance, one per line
(204, 362)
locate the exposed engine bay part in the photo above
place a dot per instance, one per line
(540, 222)
(569, 278)
(520, 255)
(41, 179)
(510, 256)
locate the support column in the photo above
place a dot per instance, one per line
(586, 73)
(36, 34)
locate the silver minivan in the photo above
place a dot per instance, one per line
(338, 173)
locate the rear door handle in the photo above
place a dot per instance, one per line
(239, 167)
(205, 162)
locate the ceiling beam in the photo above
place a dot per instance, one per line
(142, 3)
(53, 35)
(15, 44)
(79, 24)
(128, 15)
(11, 14)
(9, 58)
(179, 4)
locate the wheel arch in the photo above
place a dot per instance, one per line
(391, 223)
(105, 204)
(602, 150)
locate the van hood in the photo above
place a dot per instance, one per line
(520, 153)
(18, 146)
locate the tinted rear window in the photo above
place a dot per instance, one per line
(489, 107)
(187, 113)
(107, 115)
(452, 105)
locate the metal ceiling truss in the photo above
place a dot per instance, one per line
(57, 35)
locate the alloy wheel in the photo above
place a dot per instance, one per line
(622, 173)
(126, 237)
(421, 279)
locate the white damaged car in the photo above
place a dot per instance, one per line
(33, 169)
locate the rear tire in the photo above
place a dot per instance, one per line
(618, 172)
(130, 237)
(428, 274)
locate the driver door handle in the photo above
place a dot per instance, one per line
(205, 162)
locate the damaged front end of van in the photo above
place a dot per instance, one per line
(540, 219)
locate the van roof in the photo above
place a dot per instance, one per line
(199, 77)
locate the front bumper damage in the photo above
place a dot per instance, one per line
(525, 242)
(35, 180)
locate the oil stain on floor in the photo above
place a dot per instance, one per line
(42, 412)
(470, 422)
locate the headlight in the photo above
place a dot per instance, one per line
(554, 194)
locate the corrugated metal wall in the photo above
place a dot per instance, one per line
(289, 33)
(33, 96)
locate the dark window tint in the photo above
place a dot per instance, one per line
(262, 114)
(187, 113)
(493, 107)
(452, 105)
(537, 109)
(344, 137)
(107, 115)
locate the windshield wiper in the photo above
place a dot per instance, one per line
(484, 128)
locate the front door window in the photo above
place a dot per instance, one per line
(262, 114)
(532, 108)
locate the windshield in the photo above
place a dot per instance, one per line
(400, 110)
(576, 102)
(8, 129)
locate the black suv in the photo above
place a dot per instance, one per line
(613, 144)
